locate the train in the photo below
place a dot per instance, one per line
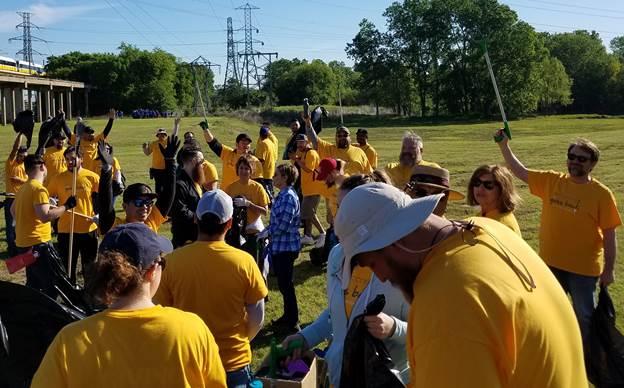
(16, 66)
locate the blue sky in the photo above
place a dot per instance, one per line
(293, 28)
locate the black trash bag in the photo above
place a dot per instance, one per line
(25, 123)
(48, 130)
(604, 360)
(366, 362)
(319, 256)
(29, 321)
(236, 235)
(316, 116)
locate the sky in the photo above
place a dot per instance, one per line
(307, 29)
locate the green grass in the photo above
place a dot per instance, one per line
(540, 143)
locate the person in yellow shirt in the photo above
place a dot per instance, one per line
(331, 171)
(133, 343)
(229, 156)
(491, 188)
(577, 226)
(89, 141)
(250, 195)
(411, 155)
(53, 156)
(485, 310)
(14, 177)
(266, 152)
(140, 204)
(158, 169)
(355, 159)
(220, 283)
(308, 160)
(211, 176)
(33, 232)
(362, 142)
(85, 230)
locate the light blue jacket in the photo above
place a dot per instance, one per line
(332, 324)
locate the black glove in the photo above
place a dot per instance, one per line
(104, 156)
(70, 203)
(173, 143)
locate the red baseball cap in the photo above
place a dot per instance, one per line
(325, 167)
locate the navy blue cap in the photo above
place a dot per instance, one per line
(264, 131)
(138, 242)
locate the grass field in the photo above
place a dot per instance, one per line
(540, 143)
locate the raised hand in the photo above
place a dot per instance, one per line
(104, 156)
(173, 143)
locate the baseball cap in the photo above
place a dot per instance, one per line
(243, 136)
(161, 131)
(216, 202)
(375, 215)
(325, 167)
(137, 190)
(342, 128)
(264, 131)
(436, 177)
(301, 137)
(137, 241)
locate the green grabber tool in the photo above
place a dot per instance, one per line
(498, 97)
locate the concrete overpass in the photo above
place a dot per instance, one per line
(44, 96)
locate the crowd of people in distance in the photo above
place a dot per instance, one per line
(468, 303)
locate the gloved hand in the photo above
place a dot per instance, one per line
(203, 124)
(173, 143)
(104, 156)
(241, 202)
(70, 203)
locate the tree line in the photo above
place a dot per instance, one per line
(429, 63)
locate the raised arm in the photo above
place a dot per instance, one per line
(16, 144)
(167, 196)
(314, 139)
(176, 126)
(212, 141)
(514, 164)
(111, 117)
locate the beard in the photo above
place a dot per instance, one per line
(402, 278)
(407, 159)
(198, 174)
(577, 170)
(342, 143)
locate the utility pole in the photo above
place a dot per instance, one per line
(201, 94)
(27, 38)
(231, 67)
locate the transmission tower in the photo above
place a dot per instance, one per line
(231, 68)
(250, 72)
(201, 87)
(27, 38)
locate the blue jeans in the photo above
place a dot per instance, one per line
(581, 289)
(239, 378)
(9, 228)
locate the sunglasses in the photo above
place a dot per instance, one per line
(488, 185)
(142, 202)
(581, 159)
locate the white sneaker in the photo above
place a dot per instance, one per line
(307, 240)
(320, 241)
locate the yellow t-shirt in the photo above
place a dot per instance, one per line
(216, 282)
(474, 323)
(12, 169)
(152, 347)
(29, 230)
(355, 158)
(158, 160)
(252, 191)
(309, 186)
(229, 157)
(154, 220)
(508, 219)
(401, 174)
(360, 277)
(89, 151)
(330, 193)
(210, 172)
(573, 218)
(54, 162)
(370, 153)
(86, 184)
(97, 165)
(265, 151)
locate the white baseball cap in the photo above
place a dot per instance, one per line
(216, 202)
(375, 215)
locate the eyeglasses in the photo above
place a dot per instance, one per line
(142, 202)
(488, 185)
(581, 159)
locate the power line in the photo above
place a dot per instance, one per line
(130, 24)
(566, 12)
(576, 6)
(27, 38)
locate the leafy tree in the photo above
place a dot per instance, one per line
(554, 85)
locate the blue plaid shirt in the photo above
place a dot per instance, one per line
(284, 222)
